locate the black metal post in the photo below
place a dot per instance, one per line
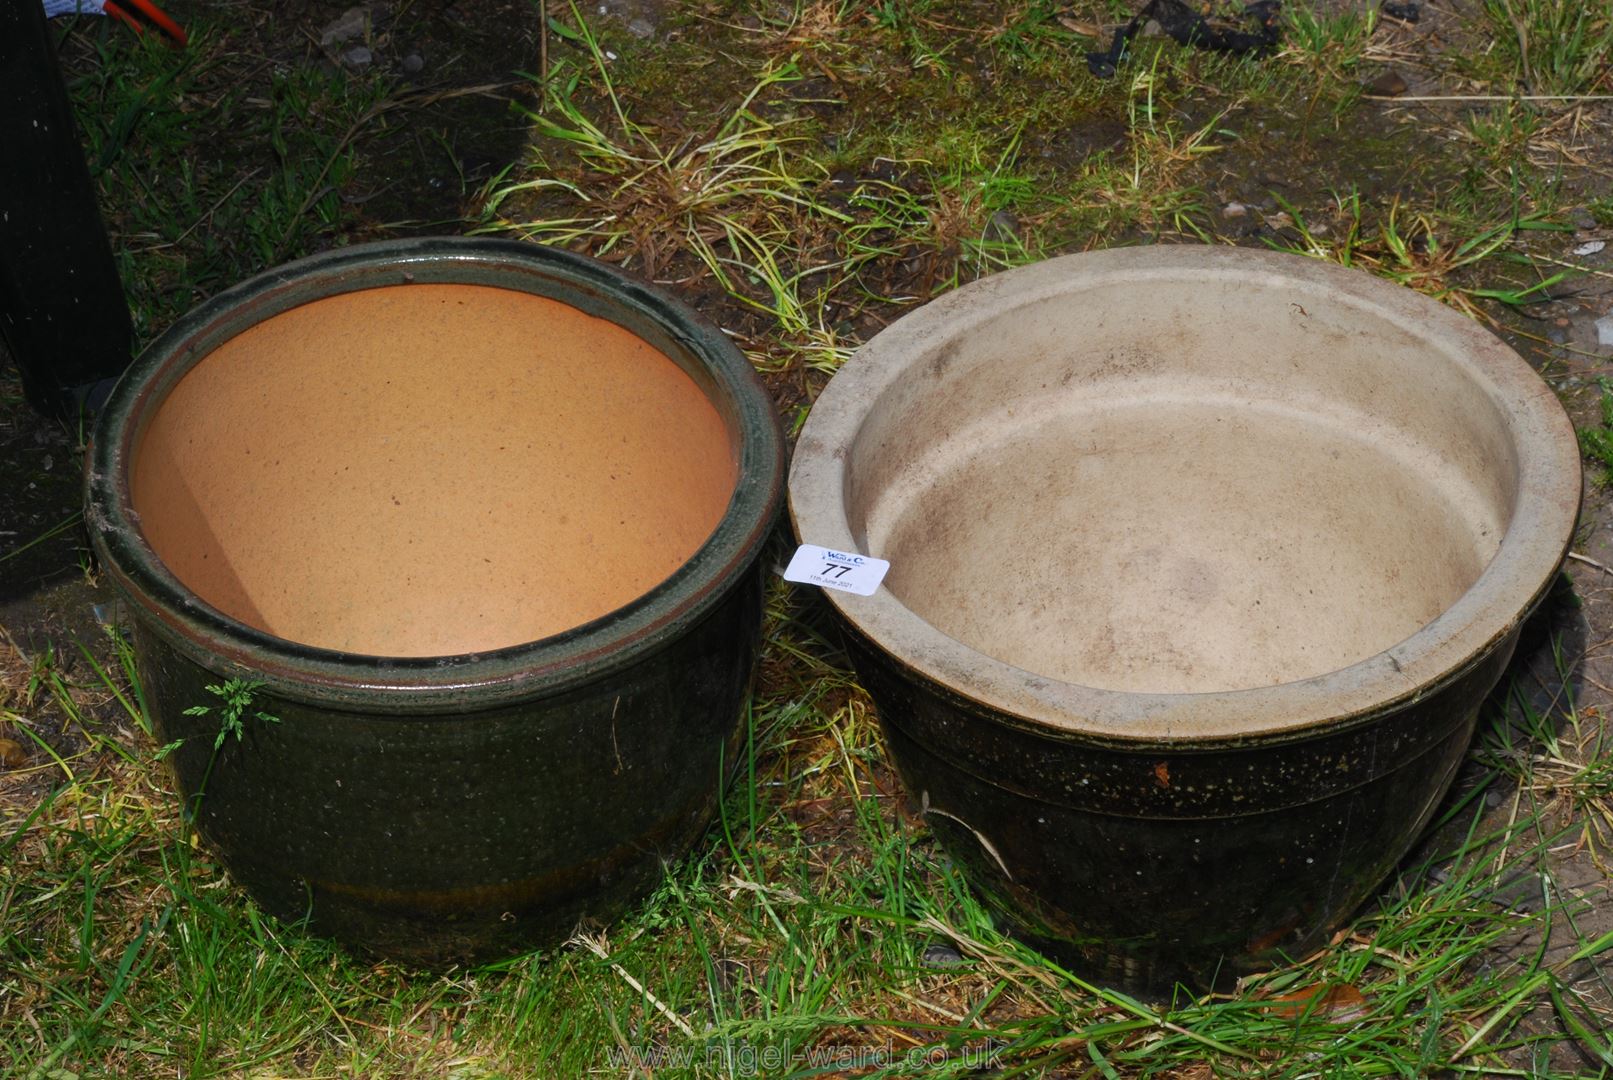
(62, 311)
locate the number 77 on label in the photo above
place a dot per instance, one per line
(831, 569)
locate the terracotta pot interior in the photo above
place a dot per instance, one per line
(1118, 492)
(430, 469)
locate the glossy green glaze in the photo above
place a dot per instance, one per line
(446, 809)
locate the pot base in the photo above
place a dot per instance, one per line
(1128, 876)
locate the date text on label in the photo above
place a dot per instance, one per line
(843, 570)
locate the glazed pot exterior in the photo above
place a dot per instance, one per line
(454, 836)
(449, 809)
(1148, 867)
(1201, 563)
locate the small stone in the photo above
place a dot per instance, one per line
(345, 27)
(1590, 247)
(1389, 84)
(643, 29)
(1318, 229)
(941, 956)
(1521, 894)
(1079, 27)
(1584, 333)
(358, 57)
(1234, 210)
(413, 64)
(1604, 330)
(12, 755)
(1582, 218)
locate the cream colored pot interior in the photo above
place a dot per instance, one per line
(430, 469)
(1181, 486)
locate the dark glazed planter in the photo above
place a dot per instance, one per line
(449, 802)
(1202, 562)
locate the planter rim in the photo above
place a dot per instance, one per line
(1531, 550)
(414, 685)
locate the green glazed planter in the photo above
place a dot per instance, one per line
(445, 809)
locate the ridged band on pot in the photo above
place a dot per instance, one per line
(627, 710)
(1158, 864)
(1127, 823)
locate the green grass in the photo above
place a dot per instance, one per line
(211, 163)
(1560, 47)
(797, 928)
(1596, 440)
(1423, 253)
(840, 163)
